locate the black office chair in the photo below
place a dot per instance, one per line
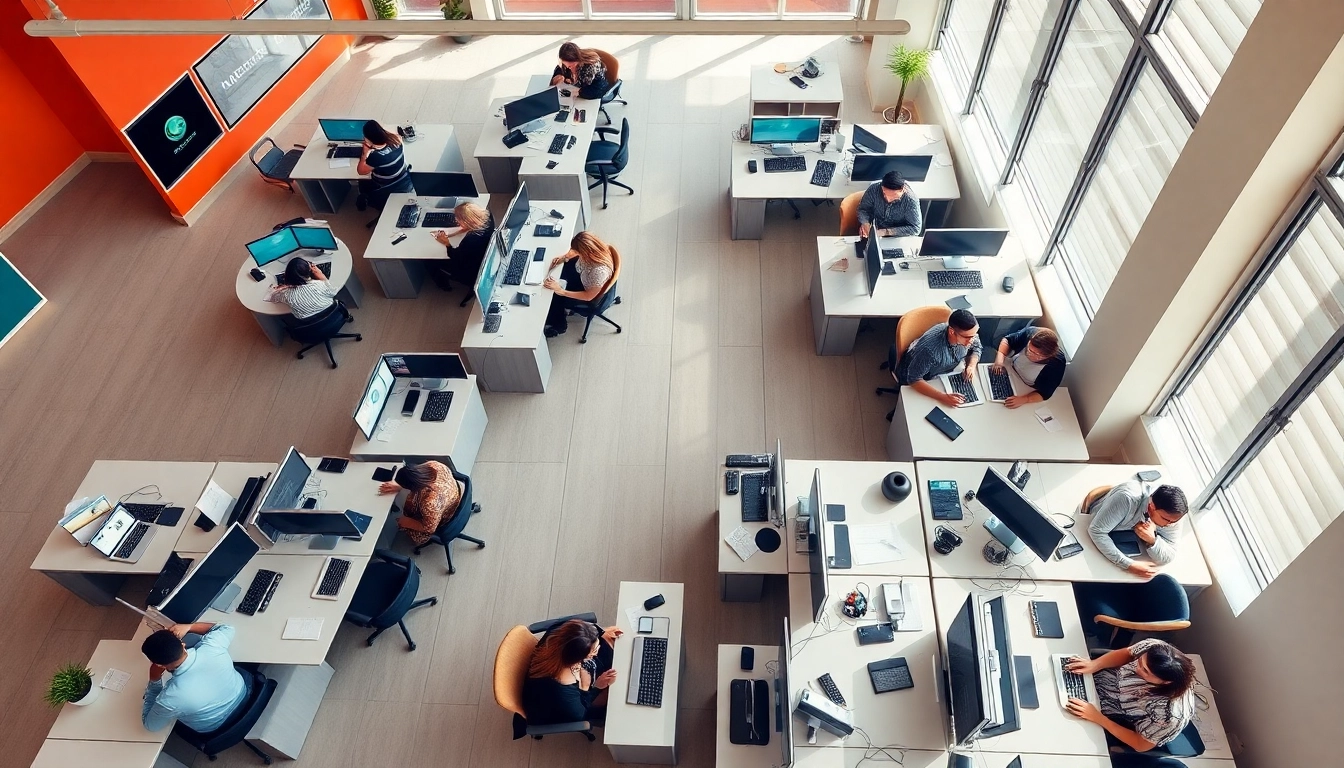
(613, 67)
(386, 593)
(1144, 760)
(321, 329)
(1187, 744)
(234, 730)
(889, 365)
(1113, 612)
(276, 165)
(451, 529)
(606, 159)
(600, 304)
(511, 663)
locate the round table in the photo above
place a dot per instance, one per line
(269, 314)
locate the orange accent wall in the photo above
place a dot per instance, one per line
(31, 123)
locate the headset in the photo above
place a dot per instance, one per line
(945, 540)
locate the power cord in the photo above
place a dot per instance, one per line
(880, 754)
(142, 491)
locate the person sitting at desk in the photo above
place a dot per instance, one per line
(940, 350)
(581, 67)
(1146, 692)
(306, 290)
(569, 675)
(589, 263)
(889, 205)
(432, 498)
(204, 688)
(1155, 518)
(384, 162)
(464, 259)
(1035, 355)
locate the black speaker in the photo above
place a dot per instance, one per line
(896, 487)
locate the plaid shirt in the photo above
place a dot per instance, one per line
(931, 355)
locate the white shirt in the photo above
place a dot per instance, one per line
(304, 300)
(1026, 368)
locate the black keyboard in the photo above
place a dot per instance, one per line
(831, 690)
(439, 219)
(345, 151)
(1074, 684)
(436, 407)
(755, 508)
(517, 267)
(955, 278)
(652, 670)
(558, 143)
(131, 541)
(963, 387)
(893, 253)
(786, 164)
(332, 578)
(409, 216)
(324, 268)
(747, 460)
(1000, 385)
(145, 513)
(821, 175)
(259, 593)
(892, 678)
(492, 323)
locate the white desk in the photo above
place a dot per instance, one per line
(744, 580)
(819, 757)
(353, 489)
(401, 268)
(458, 437)
(113, 716)
(633, 733)
(772, 95)
(64, 753)
(517, 359)
(749, 192)
(912, 717)
(992, 431)
(1047, 729)
(726, 753)
(231, 476)
(324, 187)
(840, 300)
(85, 571)
(1209, 724)
(269, 314)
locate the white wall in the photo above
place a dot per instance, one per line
(883, 87)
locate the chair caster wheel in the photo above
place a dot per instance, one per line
(452, 570)
(369, 642)
(412, 646)
(475, 509)
(300, 355)
(537, 738)
(433, 601)
(333, 366)
(890, 414)
(618, 330)
(481, 545)
(590, 736)
(359, 337)
(583, 341)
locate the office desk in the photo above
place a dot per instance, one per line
(324, 188)
(1209, 722)
(726, 753)
(858, 486)
(84, 570)
(912, 717)
(633, 733)
(749, 192)
(113, 717)
(817, 757)
(401, 268)
(773, 95)
(457, 437)
(353, 489)
(64, 753)
(840, 300)
(231, 476)
(992, 431)
(1048, 729)
(269, 314)
(517, 359)
(744, 580)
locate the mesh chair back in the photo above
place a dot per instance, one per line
(511, 663)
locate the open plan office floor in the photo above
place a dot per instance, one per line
(145, 353)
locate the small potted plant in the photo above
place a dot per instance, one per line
(386, 9)
(909, 64)
(456, 10)
(73, 684)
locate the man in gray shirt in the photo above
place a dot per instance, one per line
(940, 350)
(891, 207)
(1155, 518)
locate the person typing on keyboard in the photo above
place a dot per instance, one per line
(464, 260)
(891, 207)
(570, 673)
(940, 350)
(432, 498)
(203, 688)
(589, 263)
(1035, 355)
(1146, 693)
(306, 290)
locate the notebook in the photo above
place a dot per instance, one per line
(1045, 619)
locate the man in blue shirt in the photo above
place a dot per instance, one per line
(203, 688)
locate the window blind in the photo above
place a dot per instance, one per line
(967, 23)
(1200, 37)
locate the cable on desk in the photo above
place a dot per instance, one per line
(880, 754)
(142, 491)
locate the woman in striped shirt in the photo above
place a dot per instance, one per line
(385, 163)
(306, 290)
(1146, 691)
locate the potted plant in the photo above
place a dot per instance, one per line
(386, 9)
(72, 683)
(910, 65)
(456, 10)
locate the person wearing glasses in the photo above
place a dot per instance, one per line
(1156, 518)
(940, 350)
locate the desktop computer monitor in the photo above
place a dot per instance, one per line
(966, 684)
(314, 238)
(785, 130)
(818, 568)
(376, 393)
(287, 483)
(485, 279)
(874, 167)
(865, 141)
(872, 260)
(1016, 522)
(448, 187)
(956, 244)
(996, 666)
(309, 522)
(784, 702)
(531, 109)
(342, 129)
(216, 571)
(515, 218)
(779, 504)
(446, 365)
(274, 246)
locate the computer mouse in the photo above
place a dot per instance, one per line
(1008, 283)
(751, 166)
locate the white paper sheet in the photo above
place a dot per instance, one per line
(214, 502)
(876, 543)
(303, 629)
(340, 162)
(1047, 419)
(742, 542)
(115, 680)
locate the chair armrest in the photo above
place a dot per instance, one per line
(543, 626)
(1143, 626)
(357, 617)
(391, 557)
(546, 730)
(300, 146)
(603, 130)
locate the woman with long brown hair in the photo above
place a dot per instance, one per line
(432, 498)
(570, 672)
(382, 159)
(582, 67)
(1146, 692)
(464, 259)
(589, 264)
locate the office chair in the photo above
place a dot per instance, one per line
(1187, 744)
(606, 159)
(377, 198)
(613, 93)
(1144, 760)
(909, 327)
(849, 214)
(386, 593)
(511, 663)
(1093, 496)
(601, 303)
(234, 730)
(321, 329)
(1157, 605)
(451, 529)
(276, 165)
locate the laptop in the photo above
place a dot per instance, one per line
(986, 371)
(122, 537)
(956, 383)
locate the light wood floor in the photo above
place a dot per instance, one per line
(145, 353)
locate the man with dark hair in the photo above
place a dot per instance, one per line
(204, 688)
(1156, 518)
(891, 207)
(940, 350)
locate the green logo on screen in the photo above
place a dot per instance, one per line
(175, 128)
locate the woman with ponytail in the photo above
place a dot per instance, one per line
(1146, 691)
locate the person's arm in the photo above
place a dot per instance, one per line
(276, 294)
(217, 635)
(912, 216)
(363, 168)
(972, 359)
(867, 206)
(1049, 379)
(1002, 354)
(1088, 711)
(156, 714)
(1109, 514)
(1163, 548)
(1017, 340)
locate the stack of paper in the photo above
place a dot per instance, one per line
(876, 543)
(303, 629)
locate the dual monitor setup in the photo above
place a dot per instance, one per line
(288, 240)
(871, 161)
(429, 372)
(500, 253)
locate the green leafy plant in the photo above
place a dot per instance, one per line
(386, 9)
(455, 10)
(70, 683)
(909, 64)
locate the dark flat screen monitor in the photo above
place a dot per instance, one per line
(288, 483)
(778, 495)
(515, 218)
(529, 108)
(274, 246)
(865, 141)
(309, 522)
(315, 238)
(217, 570)
(485, 279)
(376, 393)
(1012, 508)
(785, 130)
(872, 261)
(427, 366)
(818, 568)
(965, 685)
(443, 184)
(962, 242)
(874, 167)
(784, 702)
(342, 129)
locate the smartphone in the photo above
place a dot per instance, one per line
(331, 464)
(798, 81)
(408, 405)
(383, 474)
(645, 625)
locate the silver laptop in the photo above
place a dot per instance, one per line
(122, 537)
(988, 390)
(974, 387)
(1069, 684)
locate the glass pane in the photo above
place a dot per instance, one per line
(1145, 145)
(737, 7)
(1094, 52)
(1137, 8)
(966, 25)
(543, 7)
(422, 7)
(631, 7)
(828, 7)
(1200, 37)
(1019, 48)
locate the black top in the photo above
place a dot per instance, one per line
(465, 259)
(1052, 374)
(546, 701)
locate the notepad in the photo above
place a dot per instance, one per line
(742, 542)
(115, 680)
(303, 629)
(1045, 619)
